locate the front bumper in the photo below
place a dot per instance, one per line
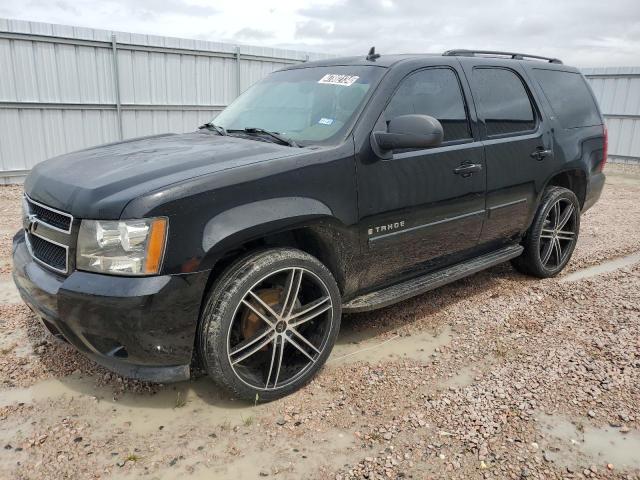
(139, 327)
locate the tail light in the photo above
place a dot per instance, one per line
(605, 148)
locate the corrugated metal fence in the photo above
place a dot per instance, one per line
(618, 93)
(61, 90)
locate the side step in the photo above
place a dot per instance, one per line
(416, 286)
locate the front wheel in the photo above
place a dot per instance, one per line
(269, 324)
(552, 237)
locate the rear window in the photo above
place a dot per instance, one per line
(569, 97)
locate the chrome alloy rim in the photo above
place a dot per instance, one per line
(280, 328)
(558, 234)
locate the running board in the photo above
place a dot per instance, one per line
(416, 286)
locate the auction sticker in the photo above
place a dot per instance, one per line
(336, 79)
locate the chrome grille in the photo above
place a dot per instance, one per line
(48, 253)
(48, 234)
(52, 217)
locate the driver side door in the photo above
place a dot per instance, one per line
(418, 210)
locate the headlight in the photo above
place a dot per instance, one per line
(122, 247)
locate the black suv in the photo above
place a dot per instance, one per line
(336, 186)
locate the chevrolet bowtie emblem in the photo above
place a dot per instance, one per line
(32, 222)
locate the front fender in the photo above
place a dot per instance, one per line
(253, 220)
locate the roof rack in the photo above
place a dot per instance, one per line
(512, 55)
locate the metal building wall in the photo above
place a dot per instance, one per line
(60, 89)
(618, 92)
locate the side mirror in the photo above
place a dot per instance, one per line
(408, 131)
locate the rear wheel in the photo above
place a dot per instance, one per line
(549, 243)
(269, 324)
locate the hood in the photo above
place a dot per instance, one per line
(100, 181)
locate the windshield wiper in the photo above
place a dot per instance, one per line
(212, 126)
(276, 135)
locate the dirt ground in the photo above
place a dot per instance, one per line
(495, 376)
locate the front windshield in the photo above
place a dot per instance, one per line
(308, 105)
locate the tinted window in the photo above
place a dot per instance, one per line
(435, 92)
(569, 97)
(502, 101)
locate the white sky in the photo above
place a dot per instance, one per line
(581, 32)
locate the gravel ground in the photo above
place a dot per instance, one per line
(495, 376)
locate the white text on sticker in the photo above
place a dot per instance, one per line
(325, 121)
(335, 79)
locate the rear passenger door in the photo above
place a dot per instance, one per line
(518, 145)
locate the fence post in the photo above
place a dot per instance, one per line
(238, 77)
(116, 84)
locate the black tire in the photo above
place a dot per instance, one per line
(234, 321)
(543, 234)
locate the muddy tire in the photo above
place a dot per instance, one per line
(551, 239)
(269, 324)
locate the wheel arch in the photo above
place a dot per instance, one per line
(295, 222)
(571, 179)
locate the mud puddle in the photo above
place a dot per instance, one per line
(300, 458)
(358, 346)
(603, 268)
(174, 405)
(285, 458)
(578, 445)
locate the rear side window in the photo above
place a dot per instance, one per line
(435, 92)
(569, 97)
(503, 102)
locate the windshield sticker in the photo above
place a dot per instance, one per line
(325, 121)
(336, 79)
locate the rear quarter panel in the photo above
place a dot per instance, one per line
(578, 148)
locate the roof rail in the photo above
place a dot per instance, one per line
(512, 55)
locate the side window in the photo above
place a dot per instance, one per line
(569, 97)
(435, 92)
(502, 101)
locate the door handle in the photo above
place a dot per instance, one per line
(540, 153)
(466, 169)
